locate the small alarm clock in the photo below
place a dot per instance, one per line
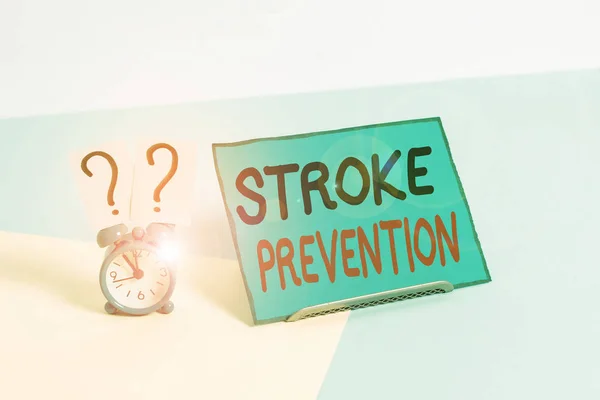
(137, 276)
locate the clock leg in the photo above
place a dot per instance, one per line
(167, 308)
(109, 308)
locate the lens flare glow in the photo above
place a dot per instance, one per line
(169, 251)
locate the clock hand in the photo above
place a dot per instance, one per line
(137, 273)
(133, 267)
(124, 279)
(135, 257)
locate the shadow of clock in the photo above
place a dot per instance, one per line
(66, 269)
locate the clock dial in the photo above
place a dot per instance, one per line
(138, 279)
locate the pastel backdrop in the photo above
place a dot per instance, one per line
(525, 149)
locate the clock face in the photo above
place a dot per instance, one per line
(138, 279)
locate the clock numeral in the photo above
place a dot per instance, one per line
(137, 253)
(141, 295)
(113, 274)
(163, 272)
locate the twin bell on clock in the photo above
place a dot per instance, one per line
(137, 276)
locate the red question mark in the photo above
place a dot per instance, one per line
(110, 197)
(170, 174)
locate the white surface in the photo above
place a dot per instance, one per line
(57, 342)
(66, 55)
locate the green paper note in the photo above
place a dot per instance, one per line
(328, 216)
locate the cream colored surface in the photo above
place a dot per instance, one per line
(57, 342)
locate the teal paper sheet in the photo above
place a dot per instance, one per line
(430, 216)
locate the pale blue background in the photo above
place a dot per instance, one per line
(526, 149)
(330, 149)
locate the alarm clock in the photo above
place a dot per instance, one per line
(137, 276)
